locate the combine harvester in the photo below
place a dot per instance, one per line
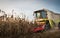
(45, 20)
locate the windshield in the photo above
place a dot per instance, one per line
(38, 15)
(41, 14)
(44, 15)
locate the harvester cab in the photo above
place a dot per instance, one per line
(41, 20)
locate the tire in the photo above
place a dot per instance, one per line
(47, 26)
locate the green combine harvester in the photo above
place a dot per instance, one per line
(45, 20)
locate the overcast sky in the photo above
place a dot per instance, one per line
(29, 6)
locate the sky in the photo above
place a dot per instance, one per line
(27, 7)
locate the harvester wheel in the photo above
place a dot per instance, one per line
(47, 26)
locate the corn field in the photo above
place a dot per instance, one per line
(22, 29)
